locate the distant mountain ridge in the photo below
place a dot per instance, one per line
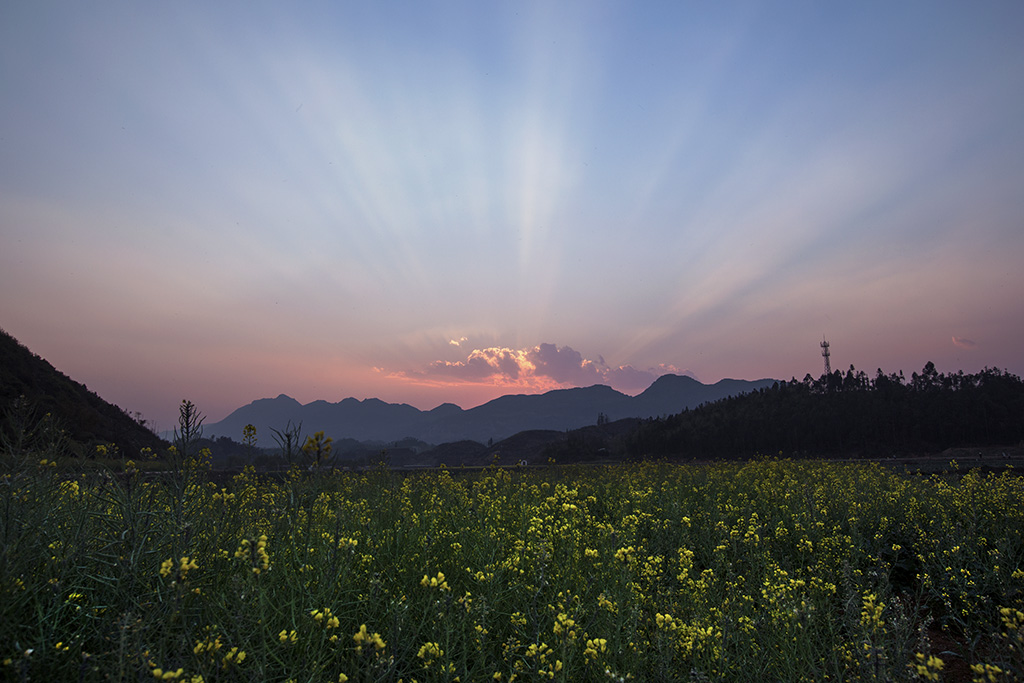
(561, 409)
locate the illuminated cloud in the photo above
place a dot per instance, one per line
(540, 368)
(963, 343)
(501, 365)
(457, 342)
(564, 365)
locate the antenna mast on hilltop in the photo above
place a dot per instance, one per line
(825, 354)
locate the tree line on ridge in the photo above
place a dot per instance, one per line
(843, 415)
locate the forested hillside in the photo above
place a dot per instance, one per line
(848, 414)
(31, 389)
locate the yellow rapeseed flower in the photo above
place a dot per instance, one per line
(929, 667)
(429, 652)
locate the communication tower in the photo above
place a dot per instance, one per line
(825, 354)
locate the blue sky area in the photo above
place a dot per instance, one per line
(429, 202)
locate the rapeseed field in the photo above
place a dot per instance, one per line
(770, 570)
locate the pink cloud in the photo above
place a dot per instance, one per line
(963, 343)
(564, 365)
(540, 368)
(482, 364)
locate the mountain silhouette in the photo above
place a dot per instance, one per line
(671, 394)
(561, 409)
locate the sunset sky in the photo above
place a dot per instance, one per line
(429, 202)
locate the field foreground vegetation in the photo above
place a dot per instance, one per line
(766, 570)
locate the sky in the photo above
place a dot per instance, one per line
(431, 202)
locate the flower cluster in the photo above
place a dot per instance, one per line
(254, 554)
(325, 618)
(364, 638)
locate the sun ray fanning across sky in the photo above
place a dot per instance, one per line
(430, 202)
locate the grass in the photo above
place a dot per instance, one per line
(766, 570)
